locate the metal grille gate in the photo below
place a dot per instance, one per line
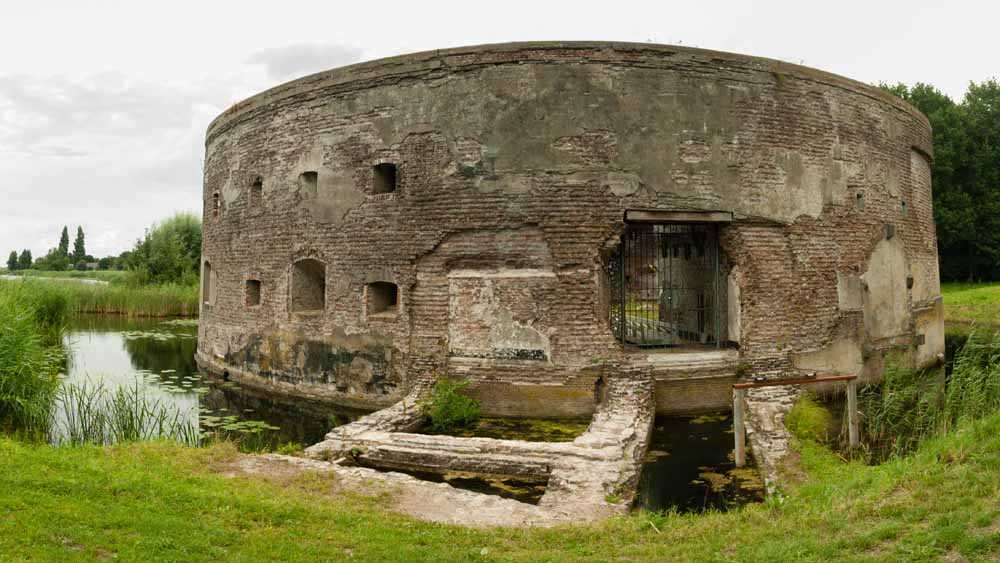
(668, 280)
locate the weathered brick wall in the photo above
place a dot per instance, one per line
(515, 164)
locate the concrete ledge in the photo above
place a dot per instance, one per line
(597, 472)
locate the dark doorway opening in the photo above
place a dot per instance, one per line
(667, 286)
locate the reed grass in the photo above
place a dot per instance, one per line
(147, 301)
(913, 405)
(56, 298)
(29, 359)
(93, 414)
(973, 388)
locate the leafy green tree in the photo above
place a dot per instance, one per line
(966, 176)
(169, 253)
(982, 128)
(64, 242)
(12, 261)
(54, 260)
(24, 261)
(79, 250)
(106, 263)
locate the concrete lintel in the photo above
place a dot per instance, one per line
(664, 216)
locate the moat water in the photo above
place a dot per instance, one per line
(156, 357)
(690, 467)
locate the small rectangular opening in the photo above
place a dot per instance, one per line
(308, 181)
(384, 178)
(256, 192)
(308, 286)
(216, 204)
(206, 283)
(383, 298)
(253, 293)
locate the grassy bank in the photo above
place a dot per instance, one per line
(157, 501)
(118, 299)
(966, 304)
(101, 275)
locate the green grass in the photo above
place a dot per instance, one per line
(157, 501)
(102, 275)
(966, 303)
(119, 299)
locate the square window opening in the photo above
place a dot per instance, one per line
(383, 298)
(308, 182)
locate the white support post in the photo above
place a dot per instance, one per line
(739, 427)
(852, 413)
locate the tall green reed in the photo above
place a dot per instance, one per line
(30, 357)
(91, 413)
(57, 298)
(912, 405)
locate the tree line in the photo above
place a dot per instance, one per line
(169, 252)
(966, 176)
(60, 258)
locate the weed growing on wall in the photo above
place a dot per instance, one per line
(447, 407)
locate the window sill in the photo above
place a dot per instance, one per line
(310, 313)
(383, 317)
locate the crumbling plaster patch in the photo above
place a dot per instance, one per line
(886, 303)
(481, 322)
(842, 356)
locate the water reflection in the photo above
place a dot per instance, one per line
(158, 356)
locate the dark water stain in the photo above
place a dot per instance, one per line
(527, 429)
(528, 491)
(296, 421)
(690, 467)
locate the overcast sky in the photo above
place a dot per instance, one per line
(104, 104)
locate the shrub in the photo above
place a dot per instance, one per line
(447, 407)
(169, 253)
(808, 420)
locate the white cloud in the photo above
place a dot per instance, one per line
(294, 61)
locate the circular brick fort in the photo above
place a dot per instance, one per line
(546, 219)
